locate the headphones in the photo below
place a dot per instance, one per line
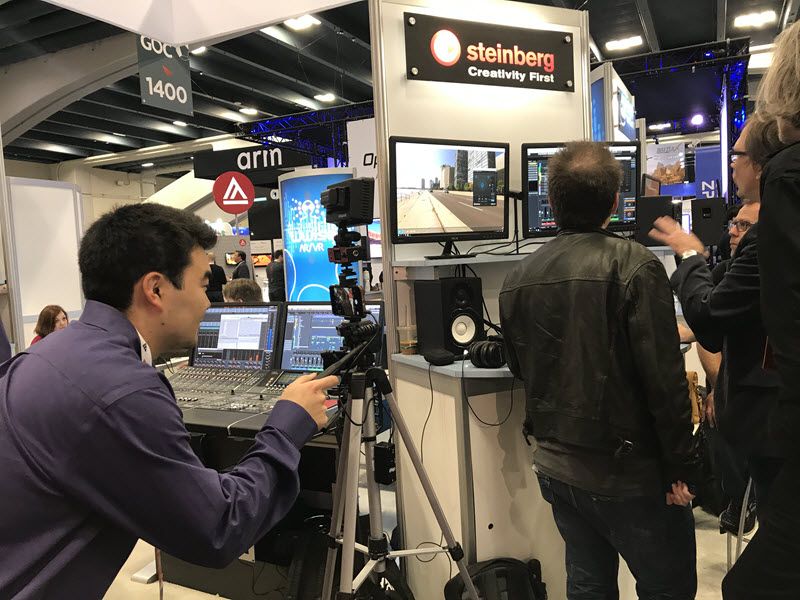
(488, 354)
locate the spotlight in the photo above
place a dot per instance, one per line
(697, 120)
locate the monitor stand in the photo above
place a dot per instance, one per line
(447, 252)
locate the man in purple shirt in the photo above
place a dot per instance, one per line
(93, 449)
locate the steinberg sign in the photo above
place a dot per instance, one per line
(439, 49)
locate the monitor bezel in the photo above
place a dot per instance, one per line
(285, 320)
(443, 237)
(274, 358)
(526, 233)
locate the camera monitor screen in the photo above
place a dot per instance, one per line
(443, 190)
(310, 330)
(237, 336)
(537, 216)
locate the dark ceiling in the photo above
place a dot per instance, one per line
(280, 74)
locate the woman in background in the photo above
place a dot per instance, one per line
(52, 318)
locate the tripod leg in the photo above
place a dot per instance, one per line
(337, 514)
(374, 493)
(455, 549)
(350, 498)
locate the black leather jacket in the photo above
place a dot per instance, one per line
(590, 327)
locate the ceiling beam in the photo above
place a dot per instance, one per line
(115, 117)
(62, 40)
(58, 149)
(123, 142)
(41, 27)
(18, 13)
(281, 37)
(75, 142)
(95, 124)
(133, 103)
(722, 20)
(338, 30)
(789, 13)
(646, 17)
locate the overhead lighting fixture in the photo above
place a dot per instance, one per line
(755, 20)
(118, 134)
(625, 43)
(698, 120)
(246, 110)
(659, 126)
(301, 23)
(147, 165)
(761, 47)
(325, 97)
(198, 50)
(278, 139)
(179, 123)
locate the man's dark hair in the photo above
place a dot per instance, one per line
(241, 254)
(131, 241)
(278, 254)
(584, 179)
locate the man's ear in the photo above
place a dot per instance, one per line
(151, 285)
(616, 204)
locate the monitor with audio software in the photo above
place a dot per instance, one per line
(310, 330)
(238, 336)
(537, 216)
(447, 190)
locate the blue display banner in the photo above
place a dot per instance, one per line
(307, 237)
(707, 168)
(598, 111)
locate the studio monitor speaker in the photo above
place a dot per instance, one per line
(449, 313)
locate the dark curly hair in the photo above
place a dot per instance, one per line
(131, 241)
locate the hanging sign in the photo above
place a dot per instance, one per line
(233, 192)
(164, 79)
(440, 49)
(262, 164)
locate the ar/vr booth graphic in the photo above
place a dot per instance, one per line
(306, 234)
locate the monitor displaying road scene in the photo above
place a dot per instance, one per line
(448, 190)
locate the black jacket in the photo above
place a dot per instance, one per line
(779, 263)
(726, 317)
(215, 283)
(241, 271)
(590, 327)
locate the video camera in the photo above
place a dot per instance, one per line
(350, 204)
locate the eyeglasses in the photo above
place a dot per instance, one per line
(736, 154)
(740, 224)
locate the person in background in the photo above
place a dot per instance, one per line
(241, 270)
(216, 280)
(242, 290)
(276, 279)
(768, 567)
(94, 442)
(725, 317)
(590, 329)
(52, 318)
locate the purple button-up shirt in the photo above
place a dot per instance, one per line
(94, 454)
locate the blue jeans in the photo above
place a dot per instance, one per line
(656, 541)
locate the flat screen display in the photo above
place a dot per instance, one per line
(261, 260)
(237, 336)
(537, 216)
(311, 330)
(444, 190)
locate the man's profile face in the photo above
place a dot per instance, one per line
(747, 214)
(184, 308)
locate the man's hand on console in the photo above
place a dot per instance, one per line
(680, 495)
(669, 232)
(309, 392)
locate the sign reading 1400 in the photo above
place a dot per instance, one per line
(164, 79)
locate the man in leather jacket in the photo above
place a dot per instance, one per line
(591, 330)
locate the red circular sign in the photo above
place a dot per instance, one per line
(234, 192)
(445, 47)
(243, 242)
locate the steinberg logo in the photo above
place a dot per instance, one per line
(445, 47)
(511, 56)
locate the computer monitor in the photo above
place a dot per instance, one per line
(650, 185)
(537, 216)
(237, 336)
(447, 190)
(310, 330)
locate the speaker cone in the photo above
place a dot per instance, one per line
(463, 329)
